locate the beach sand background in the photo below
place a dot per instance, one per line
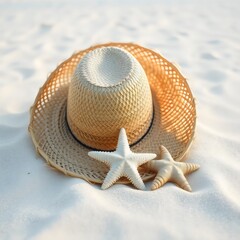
(203, 39)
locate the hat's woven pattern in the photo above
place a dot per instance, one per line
(173, 125)
(96, 113)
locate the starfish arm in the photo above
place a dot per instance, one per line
(156, 165)
(105, 157)
(142, 158)
(179, 178)
(162, 177)
(187, 167)
(165, 154)
(133, 175)
(123, 146)
(112, 176)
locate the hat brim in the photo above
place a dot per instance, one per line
(173, 125)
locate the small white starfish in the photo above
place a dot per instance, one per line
(122, 162)
(169, 170)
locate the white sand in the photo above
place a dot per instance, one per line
(203, 38)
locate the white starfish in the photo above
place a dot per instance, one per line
(169, 170)
(122, 162)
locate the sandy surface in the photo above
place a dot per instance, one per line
(203, 38)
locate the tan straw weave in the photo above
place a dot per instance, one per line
(109, 90)
(173, 123)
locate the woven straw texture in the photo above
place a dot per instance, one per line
(109, 91)
(173, 125)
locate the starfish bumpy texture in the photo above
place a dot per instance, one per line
(169, 170)
(122, 162)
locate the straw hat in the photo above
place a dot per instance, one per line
(96, 92)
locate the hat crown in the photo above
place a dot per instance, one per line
(105, 67)
(109, 90)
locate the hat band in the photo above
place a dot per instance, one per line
(96, 149)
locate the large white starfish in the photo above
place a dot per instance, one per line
(169, 170)
(122, 162)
